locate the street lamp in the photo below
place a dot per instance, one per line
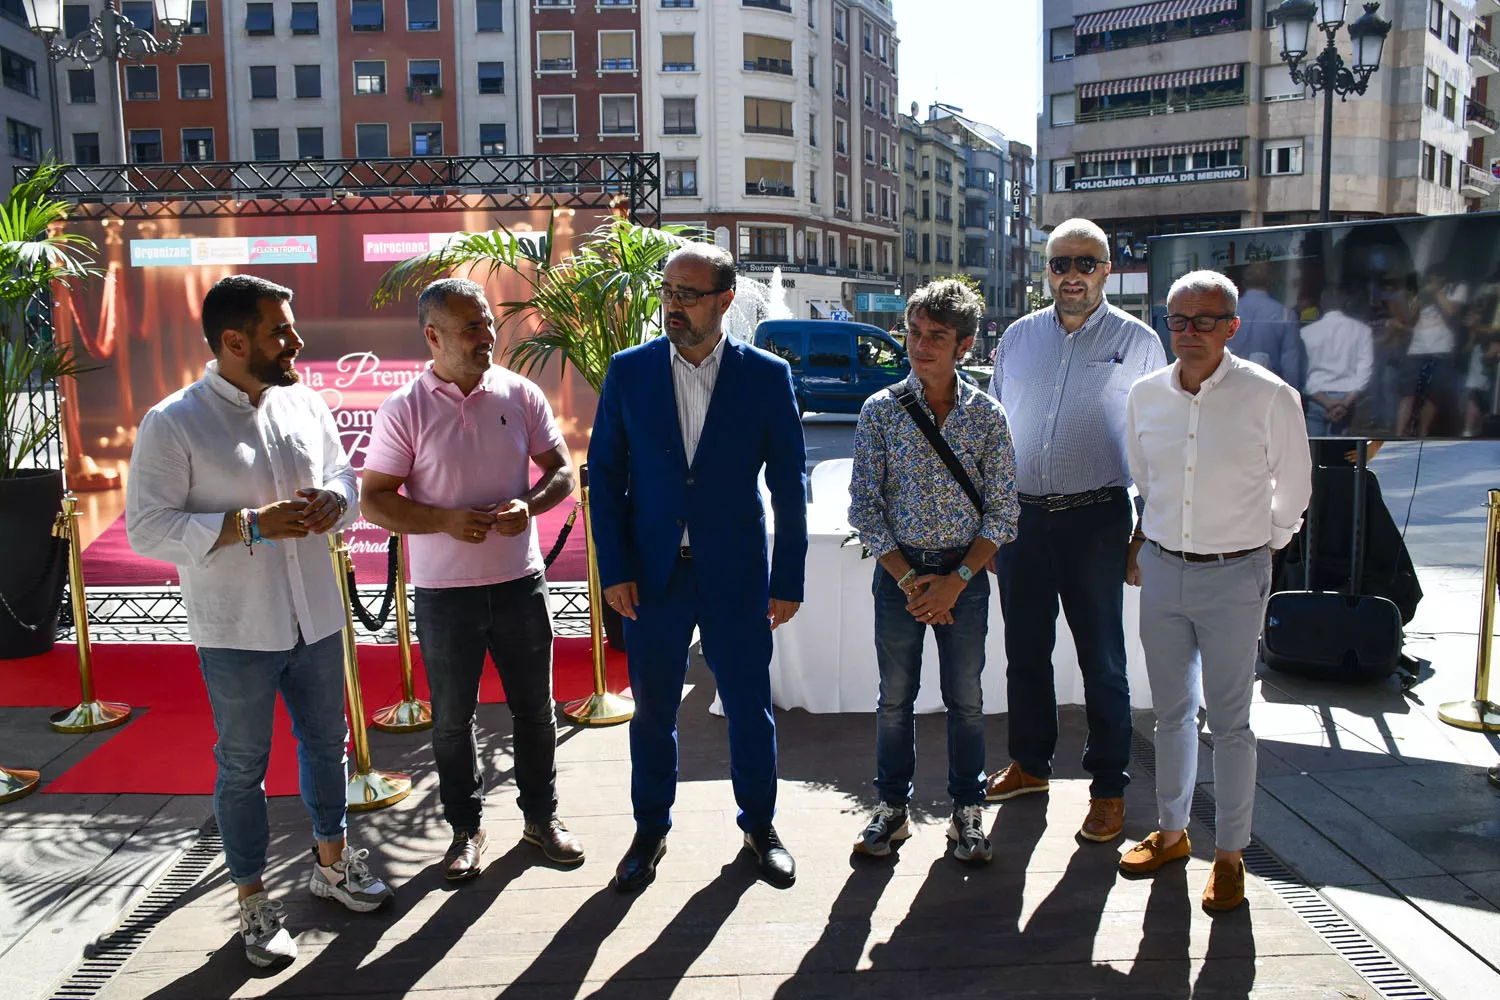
(111, 37)
(1327, 71)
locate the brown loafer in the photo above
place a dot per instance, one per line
(1105, 821)
(1009, 783)
(560, 846)
(1150, 854)
(1226, 886)
(464, 854)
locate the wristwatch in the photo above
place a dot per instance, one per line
(964, 573)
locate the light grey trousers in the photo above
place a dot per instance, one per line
(1200, 623)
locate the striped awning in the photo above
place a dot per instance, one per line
(1147, 13)
(1160, 81)
(1140, 152)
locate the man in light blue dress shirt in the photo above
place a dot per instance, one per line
(1062, 375)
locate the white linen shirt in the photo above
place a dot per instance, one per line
(1224, 470)
(206, 450)
(1340, 354)
(693, 385)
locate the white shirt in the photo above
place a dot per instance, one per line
(1432, 333)
(204, 451)
(1340, 354)
(1224, 470)
(693, 386)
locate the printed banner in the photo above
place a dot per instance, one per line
(224, 250)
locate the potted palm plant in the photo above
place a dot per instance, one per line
(587, 307)
(34, 254)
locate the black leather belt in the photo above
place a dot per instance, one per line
(1205, 557)
(1068, 501)
(684, 552)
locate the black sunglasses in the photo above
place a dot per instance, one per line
(1085, 265)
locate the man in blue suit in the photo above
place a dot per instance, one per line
(685, 424)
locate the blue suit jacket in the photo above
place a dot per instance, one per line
(642, 490)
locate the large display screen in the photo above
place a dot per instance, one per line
(1390, 329)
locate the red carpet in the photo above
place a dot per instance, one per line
(167, 747)
(109, 562)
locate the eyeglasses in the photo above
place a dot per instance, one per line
(1177, 322)
(686, 296)
(1085, 265)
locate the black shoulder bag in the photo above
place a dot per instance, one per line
(908, 401)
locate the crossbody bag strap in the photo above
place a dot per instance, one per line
(908, 401)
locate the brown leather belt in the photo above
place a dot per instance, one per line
(1201, 557)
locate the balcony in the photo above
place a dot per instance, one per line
(768, 130)
(1479, 119)
(767, 189)
(1168, 107)
(1484, 58)
(1476, 182)
(782, 66)
(785, 6)
(1092, 43)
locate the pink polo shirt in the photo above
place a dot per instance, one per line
(465, 451)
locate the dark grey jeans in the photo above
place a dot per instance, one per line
(457, 626)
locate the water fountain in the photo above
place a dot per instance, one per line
(755, 301)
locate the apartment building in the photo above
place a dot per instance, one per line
(1181, 117)
(25, 93)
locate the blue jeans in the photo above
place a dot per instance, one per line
(1076, 556)
(242, 686)
(898, 653)
(1318, 422)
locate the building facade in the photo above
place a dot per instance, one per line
(26, 94)
(1168, 118)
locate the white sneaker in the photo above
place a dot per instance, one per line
(349, 881)
(967, 833)
(266, 940)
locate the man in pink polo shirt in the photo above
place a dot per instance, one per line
(448, 464)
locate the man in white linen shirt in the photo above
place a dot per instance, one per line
(233, 479)
(1340, 362)
(1219, 452)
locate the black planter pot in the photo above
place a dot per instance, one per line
(35, 563)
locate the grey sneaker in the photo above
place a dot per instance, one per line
(887, 827)
(349, 881)
(967, 833)
(266, 940)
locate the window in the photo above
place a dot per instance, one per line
(140, 83)
(369, 77)
(367, 15)
(145, 145)
(1063, 106)
(616, 51)
(1281, 158)
(885, 151)
(372, 141)
(677, 54)
(867, 91)
(911, 244)
(427, 139)
(554, 51)
(18, 72)
(85, 147)
(829, 350)
(197, 145)
(489, 16)
(142, 14)
(882, 49)
(812, 185)
(617, 115)
(869, 146)
(764, 54)
(492, 139)
(1435, 17)
(492, 78)
(680, 115)
(23, 140)
(421, 15)
(1430, 95)
(1445, 169)
(870, 198)
(833, 250)
(310, 143)
(814, 241)
(305, 19)
(263, 83)
(81, 86)
(197, 18)
(769, 178)
(812, 68)
(266, 143)
(768, 117)
(1276, 84)
(424, 74)
(555, 116)
(260, 19)
(841, 137)
(1064, 173)
(812, 129)
(682, 178)
(788, 348)
(885, 101)
(76, 18)
(194, 83)
(840, 81)
(1429, 162)
(944, 208)
(867, 36)
(840, 194)
(1455, 31)
(877, 352)
(841, 23)
(763, 243)
(1450, 101)
(1062, 43)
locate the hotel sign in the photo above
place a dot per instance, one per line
(1157, 180)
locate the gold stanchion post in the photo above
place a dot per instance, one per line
(1481, 714)
(17, 784)
(410, 713)
(603, 707)
(367, 789)
(90, 715)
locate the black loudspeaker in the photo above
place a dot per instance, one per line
(1332, 637)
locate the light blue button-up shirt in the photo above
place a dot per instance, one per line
(1064, 395)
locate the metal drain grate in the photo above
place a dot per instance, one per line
(105, 956)
(1389, 978)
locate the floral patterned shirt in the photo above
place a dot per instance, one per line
(901, 493)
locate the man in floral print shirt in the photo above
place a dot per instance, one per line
(933, 542)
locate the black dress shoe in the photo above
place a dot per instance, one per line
(637, 869)
(775, 861)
